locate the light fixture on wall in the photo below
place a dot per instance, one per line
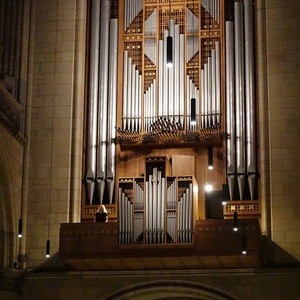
(20, 228)
(169, 43)
(48, 248)
(210, 158)
(244, 245)
(235, 221)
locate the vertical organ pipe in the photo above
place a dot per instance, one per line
(92, 100)
(239, 88)
(125, 87)
(230, 108)
(250, 96)
(218, 83)
(112, 108)
(102, 108)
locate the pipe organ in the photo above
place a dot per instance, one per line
(134, 100)
(157, 209)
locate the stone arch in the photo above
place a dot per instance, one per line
(7, 222)
(170, 289)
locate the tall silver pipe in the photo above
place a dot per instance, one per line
(102, 108)
(230, 108)
(213, 87)
(92, 101)
(165, 78)
(137, 101)
(202, 99)
(171, 73)
(250, 97)
(209, 95)
(125, 87)
(160, 77)
(129, 91)
(205, 68)
(133, 94)
(218, 82)
(112, 108)
(240, 89)
(176, 74)
(140, 103)
(181, 78)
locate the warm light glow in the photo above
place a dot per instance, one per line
(224, 203)
(210, 167)
(244, 252)
(169, 65)
(235, 229)
(193, 122)
(208, 188)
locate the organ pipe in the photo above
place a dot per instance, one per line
(250, 96)
(230, 108)
(92, 101)
(112, 108)
(239, 94)
(102, 108)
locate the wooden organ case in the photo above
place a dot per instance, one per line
(152, 129)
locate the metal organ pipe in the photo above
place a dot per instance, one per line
(112, 108)
(92, 101)
(230, 108)
(239, 94)
(250, 96)
(218, 83)
(102, 108)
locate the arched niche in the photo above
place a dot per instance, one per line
(166, 289)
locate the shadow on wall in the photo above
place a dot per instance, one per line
(275, 256)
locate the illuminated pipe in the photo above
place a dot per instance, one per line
(205, 69)
(125, 88)
(213, 87)
(176, 74)
(93, 101)
(102, 108)
(160, 77)
(209, 93)
(165, 78)
(181, 78)
(112, 109)
(218, 83)
(240, 106)
(230, 108)
(250, 98)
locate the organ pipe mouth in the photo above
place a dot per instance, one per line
(169, 52)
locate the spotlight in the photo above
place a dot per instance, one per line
(48, 248)
(20, 228)
(235, 221)
(210, 158)
(244, 246)
(208, 188)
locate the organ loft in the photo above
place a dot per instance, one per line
(170, 107)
